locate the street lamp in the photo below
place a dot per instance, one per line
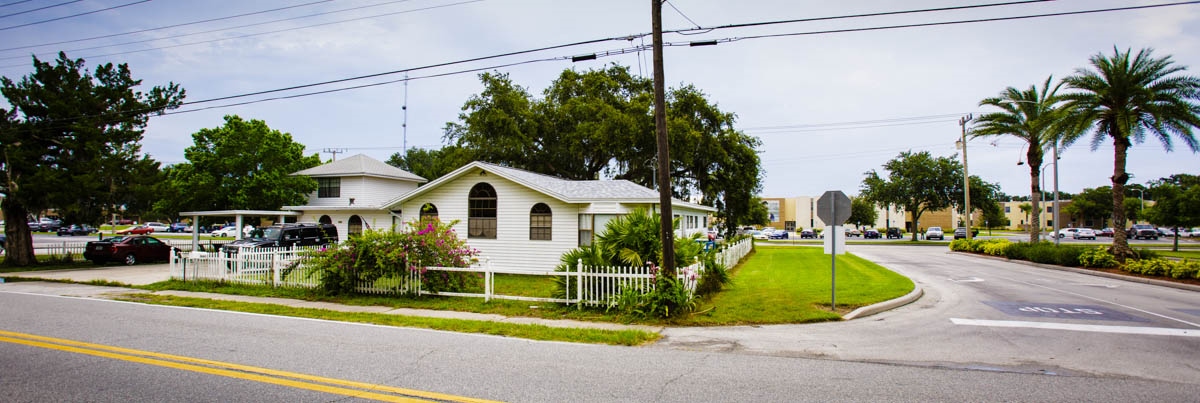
(1141, 202)
(966, 176)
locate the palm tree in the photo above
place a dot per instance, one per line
(1031, 116)
(1125, 98)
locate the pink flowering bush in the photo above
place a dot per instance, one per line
(377, 254)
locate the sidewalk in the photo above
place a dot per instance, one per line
(148, 274)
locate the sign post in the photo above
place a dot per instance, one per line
(833, 208)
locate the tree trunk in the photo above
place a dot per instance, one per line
(916, 223)
(18, 248)
(1034, 157)
(1120, 246)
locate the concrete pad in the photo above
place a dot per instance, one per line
(132, 275)
(67, 289)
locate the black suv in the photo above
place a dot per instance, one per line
(287, 235)
(894, 232)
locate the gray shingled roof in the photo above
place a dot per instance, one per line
(571, 191)
(575, 189)
(360, 165)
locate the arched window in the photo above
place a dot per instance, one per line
(429, 211)
(540, 219)
(354, 226)
(325, 220)
(481, 212)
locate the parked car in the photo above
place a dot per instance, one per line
(1166, 232)
(961, 232)
(228, 230)
(1065, 232)
(1085, 233)
(1108, 232)
(853, 232)
(179, 227)
(935, 232)
(68, 230)
(780, 234)
(808, 233)
(1140, 231)
(138, 230)
(158, 227)
(871, 233)
(128, 250)
(894, 232)
(1194, 232)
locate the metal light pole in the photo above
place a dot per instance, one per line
(1141, 204)
(1055, 217)
(966, 176)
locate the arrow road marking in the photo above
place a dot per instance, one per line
(1153, 331)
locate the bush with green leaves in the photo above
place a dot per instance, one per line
(1097, 257)
(1045, 252)
(993, 247)
(633, 240)
(1148, 267)
(388, 256)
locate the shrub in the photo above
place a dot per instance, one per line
(1185, 269)
(1097, 257)
(379, 254)
(997, 247)
(1045, 252)
(714, 277)
(1148, 267)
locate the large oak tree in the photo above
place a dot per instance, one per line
(71, 140)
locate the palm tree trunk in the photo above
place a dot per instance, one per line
(1034, 157)
(1120, 246)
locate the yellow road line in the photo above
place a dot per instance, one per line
(231, 370)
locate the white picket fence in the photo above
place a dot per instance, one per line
(285, 267)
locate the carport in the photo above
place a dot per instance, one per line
(237, 214)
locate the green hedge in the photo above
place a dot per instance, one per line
(1149, 264)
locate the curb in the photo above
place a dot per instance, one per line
(1135, 279)
(888, 305)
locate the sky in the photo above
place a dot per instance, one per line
(828, 106)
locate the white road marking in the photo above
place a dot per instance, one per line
(1154, 331)
(1106, 301)
(968, 280)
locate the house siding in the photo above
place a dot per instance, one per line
(366, 191)
(512, 249)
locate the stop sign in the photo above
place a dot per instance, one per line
(833, 208)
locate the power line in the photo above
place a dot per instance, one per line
(14, 3)
(608, 53)
(246, 35)
(40, 8)
(74, 15)
(174, 26)
(959, 22)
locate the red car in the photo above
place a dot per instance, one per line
(127, 249)
(138, 230)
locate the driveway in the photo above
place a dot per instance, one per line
(141, 274)
(995, 315)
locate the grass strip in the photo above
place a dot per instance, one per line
(532, 332)
(792, 285)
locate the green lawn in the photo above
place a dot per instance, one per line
(1182, 254)
(792, 285)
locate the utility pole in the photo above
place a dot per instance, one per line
(667, 233)
(404, 126)
(334, 151)
(966, 176)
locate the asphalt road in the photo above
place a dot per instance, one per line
(994, 315)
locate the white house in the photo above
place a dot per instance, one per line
(517, 219)
(353, 193)
(522, 220)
